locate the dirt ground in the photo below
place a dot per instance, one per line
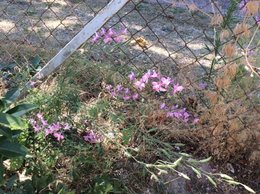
(43, 24)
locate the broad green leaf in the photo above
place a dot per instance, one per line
(2, 104)
(1, 170)
(21, 109)
(16, 133)
(211, 180)
(36, 61)
(5, 131)
(11, 149)
(12, 95)
(12, 121)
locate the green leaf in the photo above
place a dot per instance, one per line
(184, 176)
(2, 104)
(207, 47)
(196, 171)
(12, 121)
(185, 154)
(153, 176)
(1, 170)
(232, 182)
(11, 149)
(211, 180)
(12, 95)
(161, 171)
(21, 109)
(127, 135)
(35, 61)
(177, 162)
(16, 133)
(205, 160)
(167, 154)
(179, 144)
(225, 176)
(152, 130)
(5, 131)
(248, 188)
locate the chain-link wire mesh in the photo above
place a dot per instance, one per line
(198, 43)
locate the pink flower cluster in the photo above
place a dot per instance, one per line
(122, 92)
(40, 124)
(92, 137)
(108, 36)
(178, 113)
(150, 79)
(158, 82)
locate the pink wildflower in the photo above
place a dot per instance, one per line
(154, 74)
(107, 39)
(257, 18)
(58, 136)
(139, 85)
(145, 77)
(135, 96)
(166, 81)
(119, 88)
(32, 84)
(127, 91)
(177, 88)
(118, 39)
(196, 120)
(66, 126)
(163, 106)
(157, 86)
(91, 137)
(48, 131)
(102, 32)
(124, 31)
(110, 32)
(109, 87)
(36, 128)
(203, 86)
(126, 98)
(131, 76)
(169, 114)
(39, 116)
(95, 38)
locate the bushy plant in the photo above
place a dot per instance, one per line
(11, 125)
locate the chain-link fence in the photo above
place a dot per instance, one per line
(210, 47)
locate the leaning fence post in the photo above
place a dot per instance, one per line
(93, 26)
